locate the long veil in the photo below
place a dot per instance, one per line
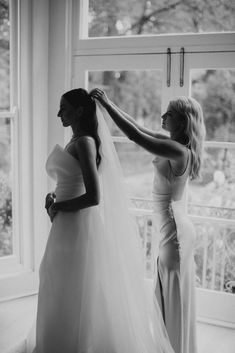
(135, 314)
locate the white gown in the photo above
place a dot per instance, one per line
(91, 296)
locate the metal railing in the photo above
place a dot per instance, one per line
(214, 246)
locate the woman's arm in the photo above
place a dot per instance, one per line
(163, 147)
(86, 151)
(141, 128)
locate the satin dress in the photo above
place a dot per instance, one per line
(175, 278)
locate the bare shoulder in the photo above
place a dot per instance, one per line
(86, 139)
(173, 145)
(85, 145)
(173, 150)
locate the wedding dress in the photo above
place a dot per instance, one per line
(175, 279)
(92, 296)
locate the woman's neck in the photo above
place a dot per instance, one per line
(182, 139)
(77, 132)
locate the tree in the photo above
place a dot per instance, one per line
(165, 16)
(4, 55)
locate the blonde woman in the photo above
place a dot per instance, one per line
(178, 158)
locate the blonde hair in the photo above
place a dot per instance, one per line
(191, 112)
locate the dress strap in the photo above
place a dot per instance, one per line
(186, 167)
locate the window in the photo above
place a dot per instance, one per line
(134, 17)
(22, 151)
(213, 195)
(6, 236)
(132, 50)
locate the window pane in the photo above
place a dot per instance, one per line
(136, 92)
(6, 241)
(215, 90)
(4, 56)
(137, 17)
(215, 256)
(213, 195)
(139, 94)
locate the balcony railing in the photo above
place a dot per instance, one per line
(214, 248)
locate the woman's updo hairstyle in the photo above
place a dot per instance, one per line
(79, 97)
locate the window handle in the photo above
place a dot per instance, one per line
(168, 79)
(181, 67)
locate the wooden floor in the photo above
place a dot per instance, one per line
(215, 339)
(17, 317)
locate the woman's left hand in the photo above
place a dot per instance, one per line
(101, 96)
(49, 200)
(51, 212)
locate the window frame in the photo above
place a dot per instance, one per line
(19, 276)
(87, 50)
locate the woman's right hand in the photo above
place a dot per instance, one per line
(101, 96)
(51, 212)
(49, 200)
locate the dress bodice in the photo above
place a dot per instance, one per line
(62, 167)
(167, 186)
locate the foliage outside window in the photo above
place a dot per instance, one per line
(6, 240)
(137, 17)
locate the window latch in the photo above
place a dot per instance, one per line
(181, 67)
(168, 79)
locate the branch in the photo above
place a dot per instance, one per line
(144, 19)
(142, 16)
(4, 5)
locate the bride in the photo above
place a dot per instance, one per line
(92, 296)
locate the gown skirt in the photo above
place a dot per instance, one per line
(70, 260)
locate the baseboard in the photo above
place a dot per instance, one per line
(219, 323)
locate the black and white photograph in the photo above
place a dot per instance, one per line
(117, 176)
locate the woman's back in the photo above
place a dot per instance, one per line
(168, 185)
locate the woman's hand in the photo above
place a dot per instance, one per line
(100, 96)
(48, 205)
(49, 199)
(52, 213)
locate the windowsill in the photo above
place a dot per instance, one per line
(18, 316)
